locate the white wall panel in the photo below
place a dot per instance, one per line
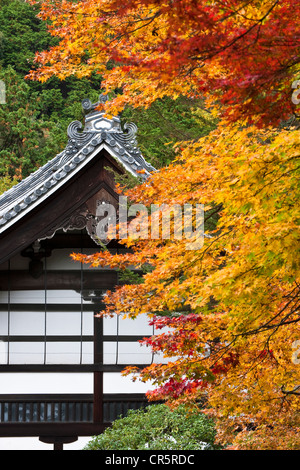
(87, 355)
(3, 353)
(134, 353)
(26, 353)
(27, 323)
(63, 323)
(3, 323)
(128, 326)
(69, 323)
(27, 383)
(115, 383)
(38, 297)
(63, 353)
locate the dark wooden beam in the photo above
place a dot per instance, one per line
(70, 339)
(78, 397)
(57, 280)
(75, 241)
(51, 429)
(50, 308)
(107, 368)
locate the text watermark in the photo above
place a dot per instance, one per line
(163, 222)
(296, 92)
(2, 92)
(296, 354)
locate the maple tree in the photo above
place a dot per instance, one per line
(231, 308)
(55, 103)
(235, 53)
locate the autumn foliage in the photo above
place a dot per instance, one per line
(241, 54)
(228, 312)
(234, 346)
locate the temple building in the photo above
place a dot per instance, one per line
(60, 365)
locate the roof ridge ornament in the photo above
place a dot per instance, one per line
(88, 106)
(84, 143)
(80, 137)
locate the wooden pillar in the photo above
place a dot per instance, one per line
(98, 376)
(58, 446)
(98, 397)
(58, 442)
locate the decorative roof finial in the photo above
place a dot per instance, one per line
(88, 106)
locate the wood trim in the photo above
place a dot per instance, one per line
(74, 338)
(71, 240)
(51, 429)
(59, 280)
(82, 397)
(49, 339)
(84, 368)
(50, 308)
(98, 375)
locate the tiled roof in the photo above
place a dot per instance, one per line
(83, 145)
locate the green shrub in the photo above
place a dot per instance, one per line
(158, 428)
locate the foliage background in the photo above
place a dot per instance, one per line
(34, 120)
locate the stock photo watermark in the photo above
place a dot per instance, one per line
(2, 92)
(296, 92)
(296, 354)
(163, 222)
